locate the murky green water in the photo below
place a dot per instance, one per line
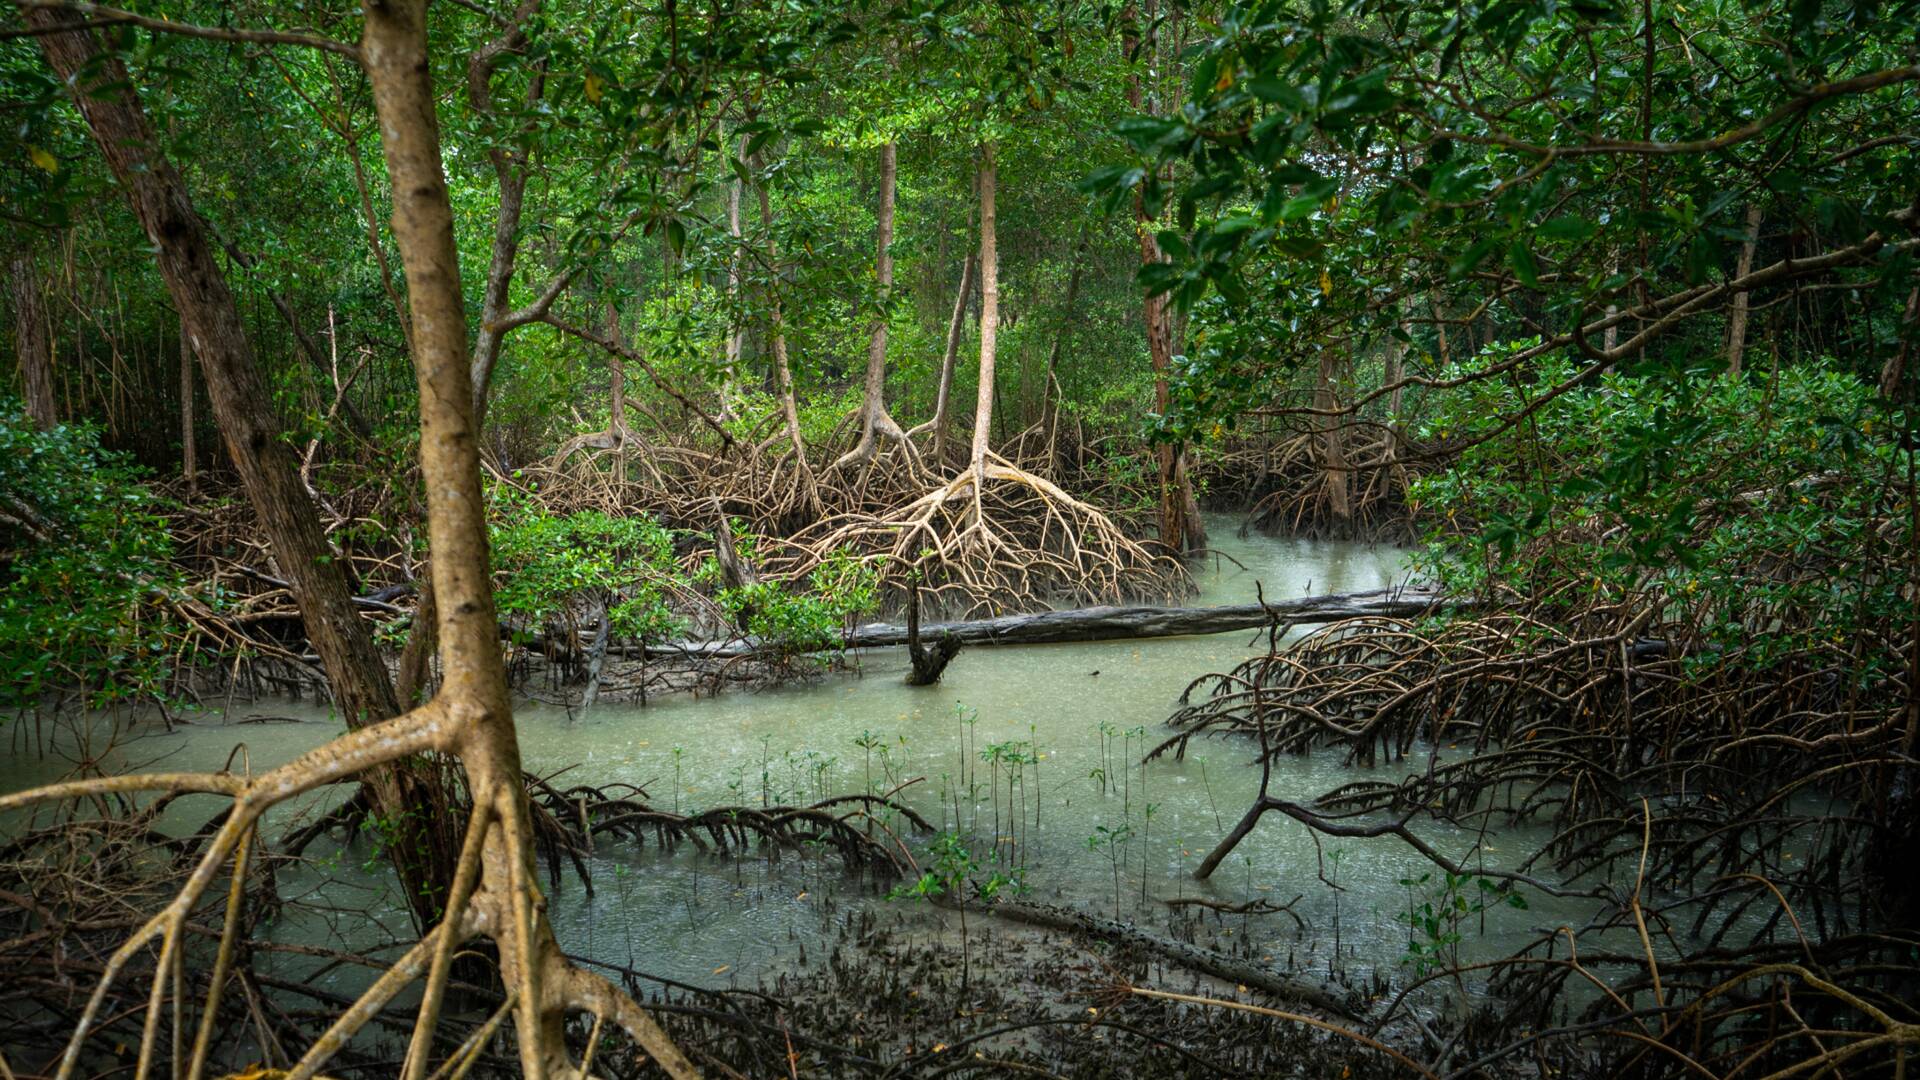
(1085, 824)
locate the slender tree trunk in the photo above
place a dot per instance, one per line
(1893, 372)
(1050, 390)
(189, 455)
(730, 377)
(1737, 322)
(510, 167)
(875, 421)
(989, 317)
(31, 343)
(1179, 526)
(1393, 370)
(1333, 454)
(544, 985)
(617, 394)
(955, 327)
(243, 410)
(413, 680)
(783, 370)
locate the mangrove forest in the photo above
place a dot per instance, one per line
(952, 539)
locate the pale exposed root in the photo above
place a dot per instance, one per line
(493, 895)
(994, 540)
(885, 428)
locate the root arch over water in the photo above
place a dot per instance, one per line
(998, 538)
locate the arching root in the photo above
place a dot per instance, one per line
(997, 539)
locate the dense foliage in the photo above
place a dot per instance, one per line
(1767, 512)
(86, 578)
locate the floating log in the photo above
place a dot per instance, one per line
(1110, 623)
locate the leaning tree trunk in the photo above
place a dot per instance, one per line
(989, 318)
(730, 376)
(875, 421)
(783, 370)
(244, 412)
(1051, 394)
(617, 398)
(1894, 370)
(32, 344)
(951, 358)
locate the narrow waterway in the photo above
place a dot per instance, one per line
(1030, 754)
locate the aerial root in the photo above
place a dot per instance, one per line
(588, 815)
(997, 539)
(1718, 811)
(492, 895)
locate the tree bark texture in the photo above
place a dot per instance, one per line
(33, 345)
(243, 410)
(474, 684)
(989, 317)
(1737, 322)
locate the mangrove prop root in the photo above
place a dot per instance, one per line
(1722, 815)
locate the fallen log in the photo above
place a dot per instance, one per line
(1246, 973)
(1109, 623)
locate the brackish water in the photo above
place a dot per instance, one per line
(1086, 825)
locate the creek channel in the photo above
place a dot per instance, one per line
(1034, 749)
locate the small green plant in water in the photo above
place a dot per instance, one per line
(1436, 909)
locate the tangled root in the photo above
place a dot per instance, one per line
(1741, 815)
(997, 539)
(859, 829)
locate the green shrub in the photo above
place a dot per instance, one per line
(85, 570)
(547, 562)
(1762, 509)
(810, 621)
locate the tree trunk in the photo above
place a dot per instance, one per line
(1737, 322)
(243, 410)
(955, 326)
(989, 318)
(730, 377)
(1104, 623)
(1180, 529)
(783, 371)
(510, 168)
(1392, 372)
(1050, 391)
(1893, 372)
(928, 663)
(545, 986)
(32, 344)
(1333, 453)
(189, 456)
(617, 397)
(875, 421)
